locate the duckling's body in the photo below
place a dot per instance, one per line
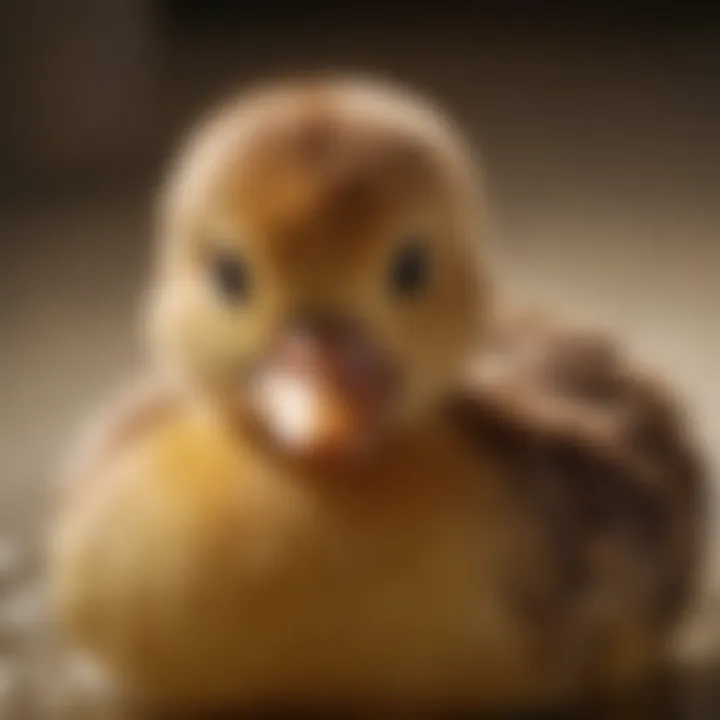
(444, 550)
(239, 577)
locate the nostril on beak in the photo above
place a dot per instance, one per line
(318, 324)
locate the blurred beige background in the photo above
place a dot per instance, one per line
(599, 135)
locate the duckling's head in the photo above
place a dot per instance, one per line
(320, 264)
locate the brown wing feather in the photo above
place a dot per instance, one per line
(602, 456)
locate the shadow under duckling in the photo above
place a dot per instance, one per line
(330, 496)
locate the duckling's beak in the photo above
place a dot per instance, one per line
(324, 389)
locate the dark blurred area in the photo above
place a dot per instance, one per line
(99, 90)
(598, 123)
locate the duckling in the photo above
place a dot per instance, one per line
(324, 497)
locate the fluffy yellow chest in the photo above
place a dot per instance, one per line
(243, 580)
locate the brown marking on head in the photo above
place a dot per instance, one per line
(319, 181)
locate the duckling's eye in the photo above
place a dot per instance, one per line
(410, 269)
(231, 276)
